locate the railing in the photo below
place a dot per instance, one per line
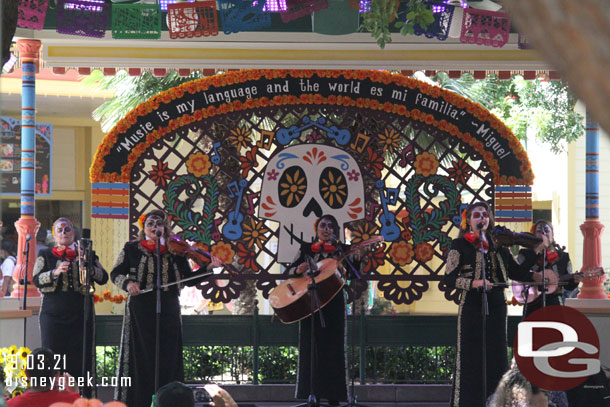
(257, 349)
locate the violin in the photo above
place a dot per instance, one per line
(202, 258)
(181, 248)
(506, 237)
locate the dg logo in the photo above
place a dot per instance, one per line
(557, 348)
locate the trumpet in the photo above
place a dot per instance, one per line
(84, 258)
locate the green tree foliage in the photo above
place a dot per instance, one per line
(543, 108)
(378, 19)
(130, 91)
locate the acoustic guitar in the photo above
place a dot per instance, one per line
(553, 281)
(291, 300)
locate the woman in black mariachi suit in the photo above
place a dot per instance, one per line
(463, 271)
(56, 274)
(330, 373)
(556, 260)
(134, 271)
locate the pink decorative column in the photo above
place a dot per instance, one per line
(592, 288)
(27, 225)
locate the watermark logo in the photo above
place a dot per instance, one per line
(557, 348)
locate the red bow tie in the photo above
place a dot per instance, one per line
(63, 252)
(151, 246)
(471, 237)
(318, 247)
(551, 257)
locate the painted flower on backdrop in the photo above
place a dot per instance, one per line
(199, 164)
(247, 257)
(426, 164)
(160, 173)
(293, 187)
(254, 233)
(334, 189)
(374, 162)
(424, 252)
(240, 137)
(459, 172)
(389, 140)
(401, 253)
(248, 161)
(364, 231)
(224, 252)
(376, 259)
(272, 175)
(353, 175)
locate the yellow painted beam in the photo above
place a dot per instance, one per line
(132, 53)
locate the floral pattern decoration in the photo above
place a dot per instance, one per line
(160, 173)
(247, 257)
(254, 233)
(294, 187)
(364, 231)
(424, 252)
(248, 162)
(333, 189)
(426, 164)
(401, 252)
(240, 137)
(459, 172)
(199, 164)
(389, 140)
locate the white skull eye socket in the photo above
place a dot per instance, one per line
(292, 187)
(333, 187)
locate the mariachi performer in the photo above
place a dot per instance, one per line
(134, 272)
(557, 260)
(329, 371)
(463, 271)
(58, 277)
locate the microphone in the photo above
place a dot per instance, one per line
(158, 233)
(86, 234)
(28, 237)
(480, 225)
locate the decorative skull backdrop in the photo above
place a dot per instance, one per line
(243, 171)
(304, 182)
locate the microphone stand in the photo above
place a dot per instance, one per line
(526, 288)
(352, 274)
(543, 288)
(26, 253)
(158, 314)
(87, 310)
(484, 314)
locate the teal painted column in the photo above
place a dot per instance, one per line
(27, 225)
(592, 288)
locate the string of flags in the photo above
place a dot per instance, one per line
(143, 20)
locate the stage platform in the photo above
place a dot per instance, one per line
(371, 395)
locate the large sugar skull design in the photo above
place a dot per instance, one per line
(303, 182)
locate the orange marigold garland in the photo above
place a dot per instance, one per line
(107, 296)
(97, 174)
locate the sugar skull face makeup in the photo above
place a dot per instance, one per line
(152, 225)
(63, 232)
(479, 215)
(543, 228)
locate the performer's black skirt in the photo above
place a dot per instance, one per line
(61, 329)
(137, 358)
(330, 374)
(468, 380)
